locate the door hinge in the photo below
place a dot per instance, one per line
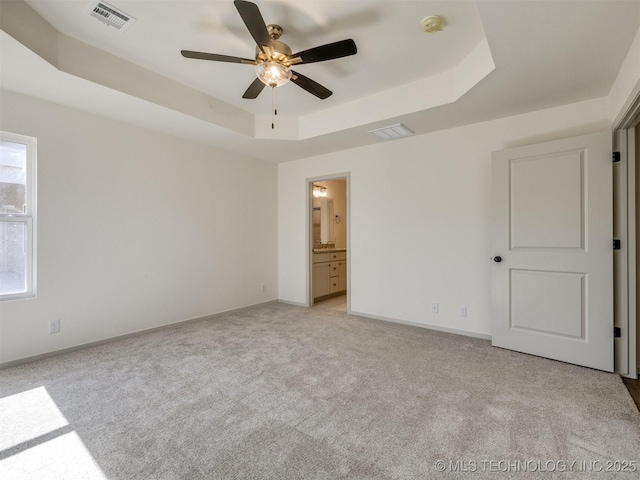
(615, 157)
(616, 244)
(617, 332)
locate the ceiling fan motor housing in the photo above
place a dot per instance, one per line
(280, 51)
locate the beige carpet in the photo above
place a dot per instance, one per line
(283, 392)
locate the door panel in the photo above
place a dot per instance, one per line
(342, 276)
(563, 311)
(547, 210)
(553, 291)
(321, 285)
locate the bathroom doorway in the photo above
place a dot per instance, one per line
(329, 243)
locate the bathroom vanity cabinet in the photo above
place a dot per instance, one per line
(329, 273)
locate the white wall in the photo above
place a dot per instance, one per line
(136, 229)
(420, 216)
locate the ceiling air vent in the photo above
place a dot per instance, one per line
(110, 15)
(393, 131)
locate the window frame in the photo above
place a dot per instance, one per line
(28, 217)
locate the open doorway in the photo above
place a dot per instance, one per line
(328, 246)
(627, 230)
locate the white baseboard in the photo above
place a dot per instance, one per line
(296, 304)
(466, 333)
(21, 361)
(55, 353)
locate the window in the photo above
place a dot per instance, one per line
(17, 216)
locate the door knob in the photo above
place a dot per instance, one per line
(497, 259)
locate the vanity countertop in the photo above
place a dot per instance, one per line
(328, 250)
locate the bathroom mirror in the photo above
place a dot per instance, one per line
(323, 220)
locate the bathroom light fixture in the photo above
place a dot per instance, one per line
(319, 191)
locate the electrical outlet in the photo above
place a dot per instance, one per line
(462, 311)
(264, 287)
(54, 326)
(434, 307)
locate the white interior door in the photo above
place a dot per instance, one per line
(553, 221)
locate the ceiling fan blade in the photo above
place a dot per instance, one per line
(330, 51)
(254, 89)
(252, 18)
(310, 86)
(216, 58)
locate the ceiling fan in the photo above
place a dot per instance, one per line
(274, 59)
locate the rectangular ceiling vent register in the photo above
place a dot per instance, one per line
(110, 15)
(393, 131)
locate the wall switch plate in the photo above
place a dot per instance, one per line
(54, 326)
(462, 311)
(264, 287)
(434, 307)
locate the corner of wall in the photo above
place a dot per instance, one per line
(626, 87)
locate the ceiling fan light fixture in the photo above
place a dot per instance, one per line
(273, 74)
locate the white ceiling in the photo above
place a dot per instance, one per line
(545, 54)
(387, 34)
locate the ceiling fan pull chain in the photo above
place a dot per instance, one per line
(274, 112)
